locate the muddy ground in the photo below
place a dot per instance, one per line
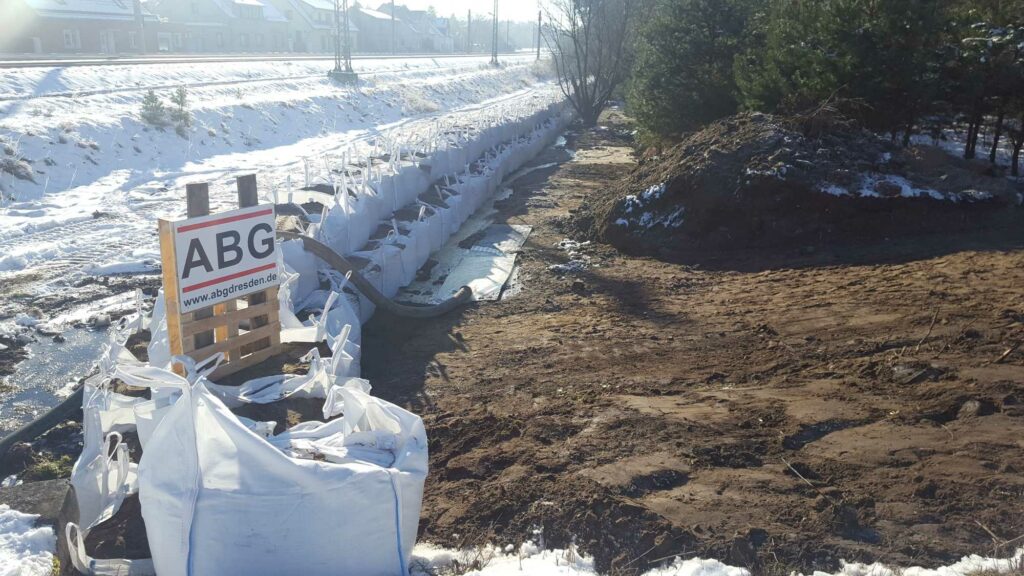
(776, 411)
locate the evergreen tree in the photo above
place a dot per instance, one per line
(181, 115)
(683, 75)
(882, 54)
(153, 110)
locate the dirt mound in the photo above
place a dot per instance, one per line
(756, 180)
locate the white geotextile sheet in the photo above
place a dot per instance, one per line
(485, 266)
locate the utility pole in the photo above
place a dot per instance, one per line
(494, 37)
(393, 47)
(469, 32)
(140, 21)
(540, 29)
(342, 47)
(508, 35)
(337, 37)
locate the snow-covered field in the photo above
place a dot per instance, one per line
(100, 176)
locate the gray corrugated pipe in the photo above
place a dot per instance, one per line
(339, 263)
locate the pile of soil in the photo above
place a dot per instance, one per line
(756, 180)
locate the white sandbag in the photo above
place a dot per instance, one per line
(234, 500)
(159, 348)
(303, 263)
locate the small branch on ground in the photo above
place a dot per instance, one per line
(931, 327)
(1006, 354)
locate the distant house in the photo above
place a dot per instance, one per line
(376, 30)
(221, 26)
(75, 27)
(430, 32)
(311, 25)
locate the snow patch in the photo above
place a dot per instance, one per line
(894, 186)
(25, 550)
(578, 261)
(639, 204)
(872, 184)
(834, 190)
(533, 560)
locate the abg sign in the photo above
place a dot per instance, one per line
(224, 256)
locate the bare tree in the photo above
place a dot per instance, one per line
(588, 40)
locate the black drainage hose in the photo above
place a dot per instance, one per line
(339, 263)
(40, 426)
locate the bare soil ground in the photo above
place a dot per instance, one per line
(776, 411)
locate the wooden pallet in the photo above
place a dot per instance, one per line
(246, 330)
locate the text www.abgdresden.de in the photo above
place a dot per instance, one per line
(232, 289)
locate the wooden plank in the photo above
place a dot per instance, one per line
(169, 270)
(246, 362)
(197, 204)
(197, 199)
(227, 320)
(231, 330)
(247, 195)
(239, 342)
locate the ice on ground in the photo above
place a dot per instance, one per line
(25, 550)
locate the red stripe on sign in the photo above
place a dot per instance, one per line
(229, 219)
(208, 283)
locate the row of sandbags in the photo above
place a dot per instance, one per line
(221, 493)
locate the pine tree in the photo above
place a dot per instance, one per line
(153, 110)
(683, 74)
(180, 115)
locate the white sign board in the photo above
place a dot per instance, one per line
(224, 256)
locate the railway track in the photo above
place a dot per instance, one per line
(201, 59)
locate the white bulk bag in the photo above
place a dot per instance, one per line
(297, 260)
(216, 497)
(419, 232)
(434, 219)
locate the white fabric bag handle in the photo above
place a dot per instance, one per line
(115, 567)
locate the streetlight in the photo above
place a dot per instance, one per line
(342, 46)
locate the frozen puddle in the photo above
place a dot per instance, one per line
(50, 369)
